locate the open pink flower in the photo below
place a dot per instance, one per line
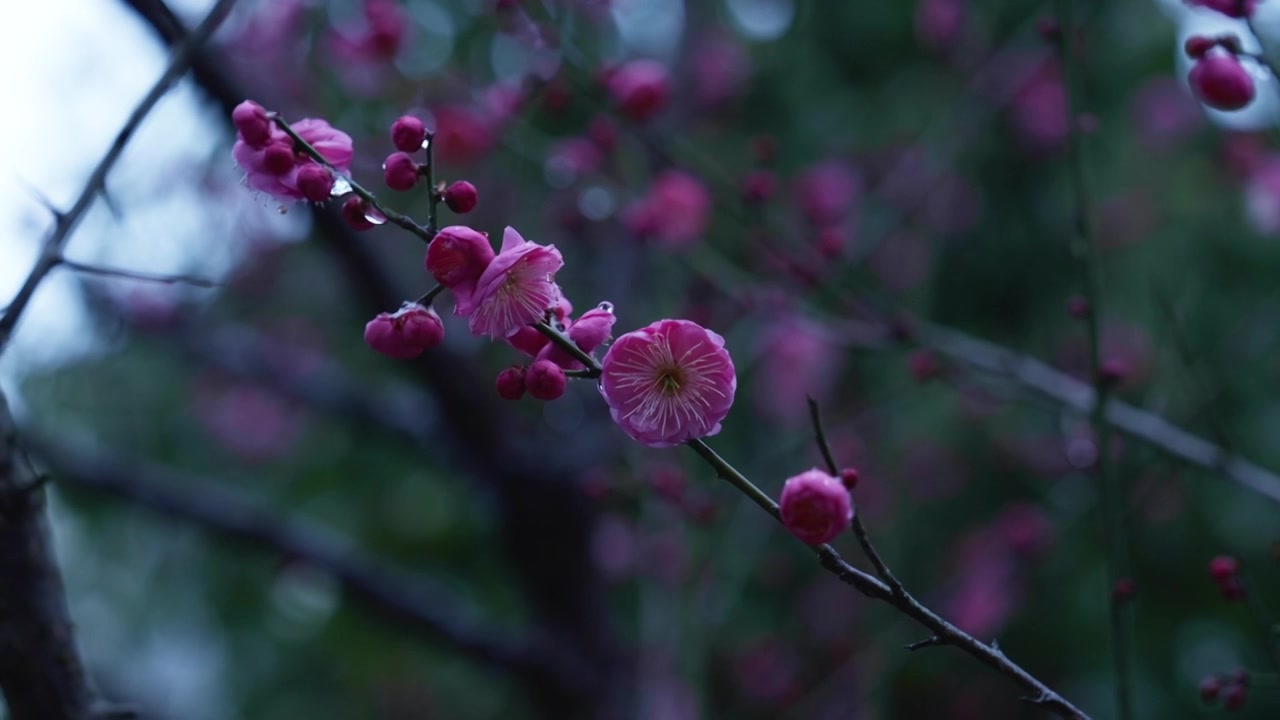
(815, 507)
(668, 383)
(268, 168)
(516, 289)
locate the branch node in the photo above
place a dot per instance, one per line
(927, 642)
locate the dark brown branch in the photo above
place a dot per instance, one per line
(164, 278)
(407, 602)
(40, 669)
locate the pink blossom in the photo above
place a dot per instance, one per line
(675, 212)
(721, 68)
(462, 135)
(407, 133)
(281, 182)
(457, 256)
(1039, 110)
(1163, 114)
(640, 88)
(939, 23)
(515, 290)
(828, 192)
(253, 423)
(798, 359)
(406, 333)
(668, 383)
(815, 507)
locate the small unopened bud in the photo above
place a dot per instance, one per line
(815, 507)
(315, 182)
(1210, 687)
(354, 213)
(1221, 82)
(461, 197)
(253, 123)
(1234, 696)
(510, 383)
(1223, 567)
(545, 380)
(1197, 46)
(400, 171)
(278, 158)
(758, 186)
(849, 476)
(1123, 590)
(407, 134)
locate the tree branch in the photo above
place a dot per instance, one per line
(407, 602)
(51, 252)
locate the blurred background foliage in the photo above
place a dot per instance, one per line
(934, 132)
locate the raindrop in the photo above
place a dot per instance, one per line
(341, 186)
(606, 306)
(426, 142)
(372, 215)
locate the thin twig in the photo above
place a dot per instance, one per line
(404, 221)
(859, 530)
(139, 275)
(51, 253)
(906, 604)
(1112, 493)
(571, 347)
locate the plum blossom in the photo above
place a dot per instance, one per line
(675, 212)
(274, 167)
(668, 383)
(515, 290)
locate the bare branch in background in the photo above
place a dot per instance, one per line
(407, 602)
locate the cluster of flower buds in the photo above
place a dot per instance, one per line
(1218, 78)
(1225, 571)
(275, 164)
(402, 172)
(1231, 689)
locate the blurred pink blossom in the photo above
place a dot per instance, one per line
(798, 359)
(675, 211)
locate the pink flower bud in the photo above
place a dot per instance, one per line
(1234, 696)
(1221, 82)
(592, 329)
(252, 122)
(1209, 688)
(1123, 590)
(406, 333)
(461, 197)
(849, 478)
(815, 507)
(315, 182)
(511, 383)
(545, 380)
(278, 158)
(354, 213)
(640, 88)
(407, 134)
(1197, 46)
(400, 171)
(1223, 567)
(758, 186)
(457, 256)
